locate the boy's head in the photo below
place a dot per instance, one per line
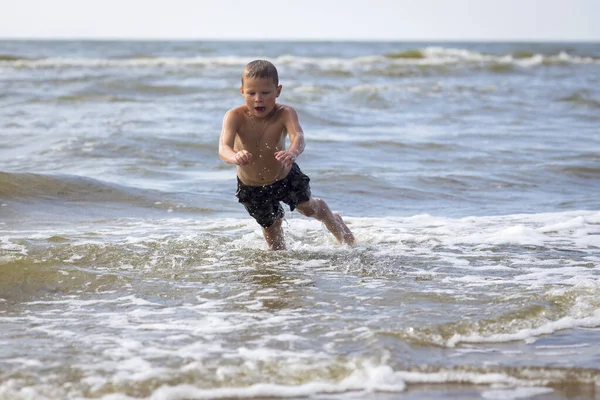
(260, 69)
(260, 88)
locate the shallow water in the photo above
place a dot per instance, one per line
(469, 174)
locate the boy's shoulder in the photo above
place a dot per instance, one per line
(239, 111)
(236, 116)
(285, 107)
(284, 111)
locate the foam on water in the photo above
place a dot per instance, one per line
(520, 393)
(517, 252)
(249, 324)
(428, 56)
(365, 381)
(529, 334)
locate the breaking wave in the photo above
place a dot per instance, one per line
(423, 57)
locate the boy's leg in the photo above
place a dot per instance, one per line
(318, 209)
(274, 235)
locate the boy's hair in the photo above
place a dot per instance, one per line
(260, 69)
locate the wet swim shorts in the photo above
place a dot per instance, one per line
(263, 202)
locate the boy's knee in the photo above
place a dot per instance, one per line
(307, 211)
(311, 208)
(275, 225)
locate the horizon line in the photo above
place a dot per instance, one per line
(366, 40)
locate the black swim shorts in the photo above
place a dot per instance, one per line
(263, 202)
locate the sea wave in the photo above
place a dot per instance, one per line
(445, 55)
(177, 309)
(582, 98)
(422, 57)
(344, 378)
(19, 189)
(67, 187)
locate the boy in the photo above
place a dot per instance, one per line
(253, 138)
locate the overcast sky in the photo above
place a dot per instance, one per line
(303, 19)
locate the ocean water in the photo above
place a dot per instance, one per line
(468, 172)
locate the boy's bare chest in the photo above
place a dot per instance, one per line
(256, 135)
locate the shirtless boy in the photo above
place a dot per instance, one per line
(253, 138)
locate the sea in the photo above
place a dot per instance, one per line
(468, 172)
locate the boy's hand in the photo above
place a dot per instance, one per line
(243, 157)
(285, 157)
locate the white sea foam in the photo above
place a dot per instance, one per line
(518, 393)
(280, 303)
(525, 334)
(445, 55)
(362, 383)
(135, 62)
(431, 56)
(452, 376)
(6, 244)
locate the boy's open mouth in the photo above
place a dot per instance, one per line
(260, 109)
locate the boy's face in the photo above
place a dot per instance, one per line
(261, 95)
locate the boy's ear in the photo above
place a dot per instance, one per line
(242, 89)
(279, 90)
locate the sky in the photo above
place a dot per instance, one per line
(409, 20)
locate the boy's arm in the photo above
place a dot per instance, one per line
(227, 141)
(296, 135)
